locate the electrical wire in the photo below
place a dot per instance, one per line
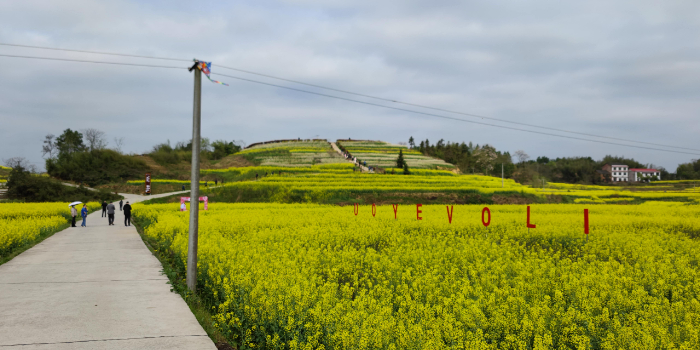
(446, 117)
(85, 61)
(357, 94)
(450, 111)
(96, 52)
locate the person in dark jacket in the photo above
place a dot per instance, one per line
(121, 204)
(127, 214)
(110, 213)
(104, 208)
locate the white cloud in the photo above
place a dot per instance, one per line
(624, 69)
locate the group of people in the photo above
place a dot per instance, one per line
(74, 214)
(272, 173)
(349, 156)
(108, 210)
(354, 159)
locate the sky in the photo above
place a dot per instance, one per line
(621, 69)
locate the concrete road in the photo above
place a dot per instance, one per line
(93, 288)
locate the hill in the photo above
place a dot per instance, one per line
(380, 154)
(291, 153)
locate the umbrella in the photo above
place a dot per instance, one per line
(74, 203)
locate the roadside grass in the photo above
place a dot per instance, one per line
(177, 277)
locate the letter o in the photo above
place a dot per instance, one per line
(486, 210)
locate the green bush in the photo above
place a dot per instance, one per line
(96, 167)
(25, 186)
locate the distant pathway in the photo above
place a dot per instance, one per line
(94, 288)
(362, 167)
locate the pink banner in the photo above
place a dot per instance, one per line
(204, 199)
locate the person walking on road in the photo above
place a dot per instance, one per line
(73, 213)
(121, 204)
(127, 214)
(104, 208)
(83, 213)
(110, 213)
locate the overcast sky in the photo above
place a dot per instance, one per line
(628, 69)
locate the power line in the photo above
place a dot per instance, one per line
(356, 94)
(450, 111)
(96, 52)
(85, 61)
(447, 117)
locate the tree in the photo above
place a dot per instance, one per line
(95, 139)
(205, 145)
(522, 156)
(21, 163)
(400, 162)
(69, 142)
(405, 169)
(49, 146)
(411, 142)
(223, 149)
(484, 158)
(542, 160)
(118, 144)
(689, 171)
(608, 159)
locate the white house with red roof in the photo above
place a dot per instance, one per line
(637, 175)
(618, 172)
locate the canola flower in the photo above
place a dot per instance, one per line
(320, 277)
(23, 223)
(325, 181)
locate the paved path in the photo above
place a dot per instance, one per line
(93, 288)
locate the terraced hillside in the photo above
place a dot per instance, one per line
(383, 155)
(292, 153)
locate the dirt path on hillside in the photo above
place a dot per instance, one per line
(363, 168)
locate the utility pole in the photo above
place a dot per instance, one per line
(501, 175)
(194, 187)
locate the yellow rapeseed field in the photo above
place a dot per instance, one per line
(23, 223)
(308, 276)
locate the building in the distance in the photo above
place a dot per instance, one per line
(618, 172)
(645, 175)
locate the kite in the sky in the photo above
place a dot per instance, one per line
(205, 67)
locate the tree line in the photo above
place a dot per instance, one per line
(486, 159)
(469, 158)
(165, 153)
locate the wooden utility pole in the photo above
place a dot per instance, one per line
(194, 186)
